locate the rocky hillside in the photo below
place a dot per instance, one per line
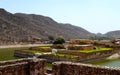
(113, 34)
(19, 27)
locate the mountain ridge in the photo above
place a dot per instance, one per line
(20, 26)
(113, 34)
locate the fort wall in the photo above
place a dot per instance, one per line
(23, 54)
(69, 68)
(27, 66)
(82, 57)
(34, 66)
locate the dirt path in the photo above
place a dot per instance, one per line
(27, 45)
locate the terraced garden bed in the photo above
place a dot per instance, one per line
(95, 50)
(33, 51)
(65, 55)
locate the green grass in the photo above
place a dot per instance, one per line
(49, 65)
(33, 51)
(95, 50)
(45, 47)
(8, 53)
(65, 55)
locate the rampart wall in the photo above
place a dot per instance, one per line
(90, 56)
(82, 57)
(23, 54)
(28, 66)
(69, 68)
(34, 66)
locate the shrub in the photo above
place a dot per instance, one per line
(96, 43)
(59, 40)
(110, 45)
(58, 46)
(51, 37)
(82, 42)
(41, 49)
(72, 47)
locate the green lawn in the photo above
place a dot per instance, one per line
(95, 50)
(8, 53)
(33, 51)
(65, 55)
(49, 65)
(45, 46)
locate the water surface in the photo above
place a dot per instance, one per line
(107, 62)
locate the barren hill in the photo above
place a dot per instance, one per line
(113, 34)
(19, 26)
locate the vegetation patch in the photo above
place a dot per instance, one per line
(8, 53)
(95, 50)
(45, 47)
(41, 48)
(65, 55)
(58, 46)
(33, 51)
(49, 65)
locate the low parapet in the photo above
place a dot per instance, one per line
(69, 68)
(34, 66)
(29, 66)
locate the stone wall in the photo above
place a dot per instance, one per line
(23, 54)
(34, 66)
(69, 68)
(53, 58)
(41, 49)
(30, 66)
(83, 57)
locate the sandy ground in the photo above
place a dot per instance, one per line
(27, 45)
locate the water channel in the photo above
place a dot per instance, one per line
(107, 62)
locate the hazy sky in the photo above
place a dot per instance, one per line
(93, 15)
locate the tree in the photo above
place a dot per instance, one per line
(59, 40)
(51, 37)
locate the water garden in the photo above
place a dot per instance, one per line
(65, 52)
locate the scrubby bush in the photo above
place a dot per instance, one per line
(96, 43)
(41, 49)
(58, 46)
(51, 37)
(110, 46)
(59, 40)
(82, 42)
(72, 47)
